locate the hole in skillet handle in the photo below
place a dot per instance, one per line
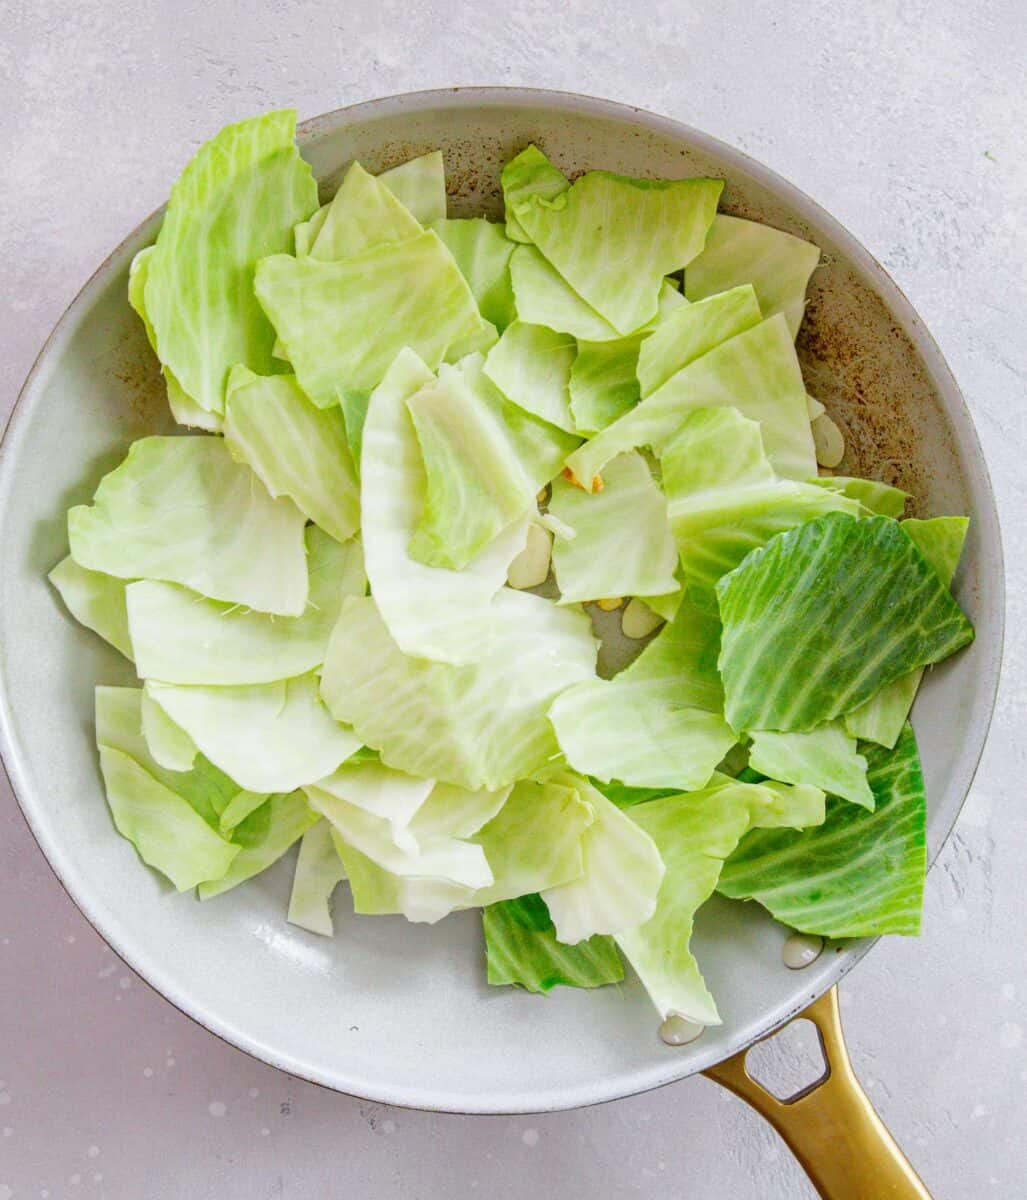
(791, 1063)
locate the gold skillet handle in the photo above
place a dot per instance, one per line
(831, 1127)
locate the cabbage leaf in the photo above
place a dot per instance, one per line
(96, 600)
(181, 510)
(825, 757)
(529, 173)
(482, 252)
(824, 616)
(621, 873)
(777, 265)
(181, 637)
(269, 737)
(318, 870)
(859, 874)
(236, 202)
(345, 321)
(756, 372)
(431, 612)
(881, 718)
(622, 544)
(613, 238)
(419, 184)
(263, 837)
(295, 448)
(521, 948)
(478, 725)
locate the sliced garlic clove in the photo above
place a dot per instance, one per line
(814, 407)
(678, 1030)
(828, 440)
(638, 620)
(531, 567)
(557, 527)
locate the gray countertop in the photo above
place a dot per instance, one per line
(906, 121)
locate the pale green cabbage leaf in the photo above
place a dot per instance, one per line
(263, 837)
(305, 234)
(544, 297)
(451, 860)
(295, 448)
(613, 238)
(432, 612)
(181, 510)
(777, 264)
(657, 724)
(119, 725)
(184, 409)
(724, 499)
(691, 331)
(825, 757)
(96, 600)
(363, 214)
(604, 382)
(531, 365)
(236, 202)
(477, 725)
(875, 497)
(527, 174)
(269, 737)
(694, 834)
(168, 833)
(484, 461)
(756, 372)
(181, 637)
(344, 322)
(393, 796)
(318, 870)
(169, 743)
(419, 184)
(238, 809)
(622, 544)
(482, 252)
(621, 873)
(535, 841)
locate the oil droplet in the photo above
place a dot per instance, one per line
(530, 1137)
(679, 1031)
(800, 950)
(93, 1152)
(217, 1108)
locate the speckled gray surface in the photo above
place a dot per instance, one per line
(906, 123)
